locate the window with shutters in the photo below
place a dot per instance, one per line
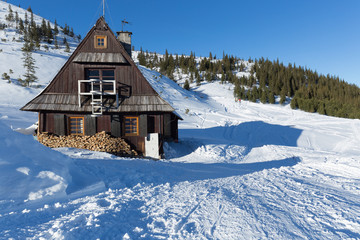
(100, 42)
(131, 126)
(76, 125)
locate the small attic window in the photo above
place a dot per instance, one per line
(100, 41)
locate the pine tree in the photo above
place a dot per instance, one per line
(254, 94)
(26, 19)
(294, 103)
(223, 78)
(56, 29)
(237, 89)
(191, 77)
(263, 98)
(67, 48)
(28, 43)
(71, 33)
(66, 29)
(56, 43)
(6, 77)
(186, 85)
(21, 26)
(155, 60)
(282, 96)
(49, 34)
(198, 78)
(142, 58)
(17, 20)
(10, 16)
(32, 22)
(43, 28)
(271, 97)
(29, 65)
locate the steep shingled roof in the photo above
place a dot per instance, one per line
(67, 100)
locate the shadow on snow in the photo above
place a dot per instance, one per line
(248, 135)
(120, 173)
(128, 173)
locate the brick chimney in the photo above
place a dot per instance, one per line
(125, 40)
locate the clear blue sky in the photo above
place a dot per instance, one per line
(323, 35)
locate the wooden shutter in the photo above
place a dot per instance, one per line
(90, 125)
(167, 125)
(115, 126)
(59, 124)
(143, 125)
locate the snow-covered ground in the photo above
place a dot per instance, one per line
(241, 170)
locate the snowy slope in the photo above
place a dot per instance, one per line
(48, 62)
(240, 171)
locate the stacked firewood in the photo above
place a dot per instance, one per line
(100, 142)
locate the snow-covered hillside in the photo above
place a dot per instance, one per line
(241, 170)
(48, 60)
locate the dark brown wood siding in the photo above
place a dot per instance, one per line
(137, 142)
(42, 122)
(67, 79)
(50, 123)
(163, 123)
(60, 124)
(104, 123)
(174, 128)
(116, 125)
(90, 125)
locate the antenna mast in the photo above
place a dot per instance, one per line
(104, 8)
(123, 22)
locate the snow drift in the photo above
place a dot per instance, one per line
(31, 171)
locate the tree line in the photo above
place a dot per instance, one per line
(199, 69)
(308, 90)
(304, 88)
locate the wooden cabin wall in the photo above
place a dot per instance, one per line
(104, 123)
(49, 123)
(42, 123)
(57, 123)
(67, 79)
(174, 128)
(136, 142)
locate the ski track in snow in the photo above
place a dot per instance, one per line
(241, 170)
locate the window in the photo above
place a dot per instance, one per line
(102, 74)
(131, 126)
(76, 125)
(100, 41)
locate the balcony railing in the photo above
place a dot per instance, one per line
(99, 90)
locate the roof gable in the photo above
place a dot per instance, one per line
(87, 55)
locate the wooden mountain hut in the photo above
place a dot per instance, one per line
(100, 89)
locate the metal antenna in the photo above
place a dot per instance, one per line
(123, 22)
(104, 8)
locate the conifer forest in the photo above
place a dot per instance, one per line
(304, 88)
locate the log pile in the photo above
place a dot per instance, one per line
(100, 142)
